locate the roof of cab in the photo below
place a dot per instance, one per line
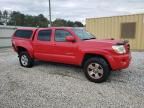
(26, 28)
(32, 28)
(57, 28)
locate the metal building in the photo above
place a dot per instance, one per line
(127, 27)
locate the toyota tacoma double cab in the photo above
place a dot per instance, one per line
(72, 46)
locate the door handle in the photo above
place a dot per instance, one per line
(54, 44)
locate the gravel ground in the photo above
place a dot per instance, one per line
(63, 86)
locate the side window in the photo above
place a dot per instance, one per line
(24, 33)
(44, 35)
(60, 35)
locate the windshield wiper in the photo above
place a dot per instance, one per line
(86, 39)
(89, 38)
(93, 38)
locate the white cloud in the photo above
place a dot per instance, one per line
(75, 9)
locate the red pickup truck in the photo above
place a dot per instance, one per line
(71, 46)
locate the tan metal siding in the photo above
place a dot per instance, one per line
(110, 27)
(142, 33)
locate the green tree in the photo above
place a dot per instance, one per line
(28, 21)
(42, 21)
(59, 22)
(5, 16)
(19, 19)
(16, 18)
(70, 23)
(62, 22)
(78, 24)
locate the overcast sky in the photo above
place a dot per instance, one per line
(75, 9)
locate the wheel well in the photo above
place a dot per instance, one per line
(21, 49)
(88, 56)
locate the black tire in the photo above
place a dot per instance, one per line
(30, 61)
(103, 66)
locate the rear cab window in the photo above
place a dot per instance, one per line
(27, 34)
(44, 35)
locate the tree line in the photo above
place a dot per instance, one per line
(15, 18)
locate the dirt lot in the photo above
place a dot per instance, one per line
(63, 86)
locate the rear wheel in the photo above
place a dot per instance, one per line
(96, 69)
(25, 60)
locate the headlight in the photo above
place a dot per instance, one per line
(119, 49)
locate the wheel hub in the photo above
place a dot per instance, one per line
(24, 60)
(95, 70)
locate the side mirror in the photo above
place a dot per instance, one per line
(70, 39)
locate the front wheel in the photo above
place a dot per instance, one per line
(25, 59)
(96, 69)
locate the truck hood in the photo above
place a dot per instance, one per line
(105, 41)
(100, 44)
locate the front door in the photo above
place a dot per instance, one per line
(65, 52)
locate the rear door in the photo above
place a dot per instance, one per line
(43, 46)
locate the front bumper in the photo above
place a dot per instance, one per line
(119, 62)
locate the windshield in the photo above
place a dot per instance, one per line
(83, 35)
